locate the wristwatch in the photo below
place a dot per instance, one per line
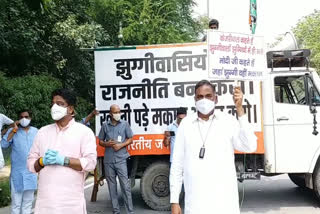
(66, 161)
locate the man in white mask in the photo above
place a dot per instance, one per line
(115, 135)
(61, 154)
(203, 157)
(22, 182)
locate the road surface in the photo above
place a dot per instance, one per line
(271, 195)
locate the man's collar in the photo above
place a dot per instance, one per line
(71, 122)
(196, 118)
(110, 123)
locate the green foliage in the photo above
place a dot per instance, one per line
(42, 45)
(34, 93)
(29, 92)
(146, 21)
(159, 22)
(109, 14)
(81, 36)
(5, 198)
(6, 155)
(307, 33)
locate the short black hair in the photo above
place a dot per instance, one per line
(181, 110)
(68, 95)
(214, 22)
(24, 110)
(204, 82)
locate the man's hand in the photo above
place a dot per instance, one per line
(95, 112)
(53, 157)
(166, 140)
(175, 209)
(237, 98)
(15, 125)
(49, 157)
(13, 131)
(110, 143)
(116, 147)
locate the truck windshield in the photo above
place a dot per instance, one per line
(291, 89)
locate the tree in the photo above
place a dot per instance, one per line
(33, 92)
(44, 40)
(29, 92)
(307, 33)
(147, 22)
(49, 41)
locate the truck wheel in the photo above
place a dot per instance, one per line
(316, 180)
(154, 186)
(298, 179)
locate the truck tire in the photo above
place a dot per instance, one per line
(298, 179)
(154, 186)
(316, 180)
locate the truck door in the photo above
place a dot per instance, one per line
(295, 144)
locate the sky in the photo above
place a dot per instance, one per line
(275, 17)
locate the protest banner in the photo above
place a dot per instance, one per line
(236, 56)
(150, 83)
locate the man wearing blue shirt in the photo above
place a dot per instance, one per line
(170, 133)
(115, 135)
(23, 183)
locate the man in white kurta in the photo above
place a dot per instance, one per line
(210, 182)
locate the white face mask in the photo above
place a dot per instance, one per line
(205, 106)
(24, 122)
(116, 117)
(58, 112)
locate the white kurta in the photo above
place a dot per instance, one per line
(210, 183)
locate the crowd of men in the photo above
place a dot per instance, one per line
(53, 160)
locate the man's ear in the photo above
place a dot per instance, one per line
(71, 110)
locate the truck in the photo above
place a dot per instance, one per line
(150, 82)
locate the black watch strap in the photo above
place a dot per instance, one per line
(66, 161)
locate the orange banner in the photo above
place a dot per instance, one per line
(152, 144)
(260, 144)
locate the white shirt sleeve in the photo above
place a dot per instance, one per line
(1, 159)
(176, 171)
(5, 120)
(244, 139)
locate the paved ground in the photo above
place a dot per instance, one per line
(5, 172)
(271, 195)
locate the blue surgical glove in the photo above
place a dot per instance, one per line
(53, 157)
(60, 159)
(49, 157)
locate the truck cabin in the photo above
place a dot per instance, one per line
(293, 89)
